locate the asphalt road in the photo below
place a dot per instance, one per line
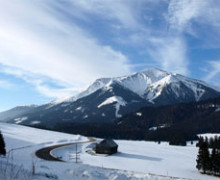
(44, 153)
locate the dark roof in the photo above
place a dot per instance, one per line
(108, 142)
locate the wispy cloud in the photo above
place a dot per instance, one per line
(182, 13)
(170, 54)
(55, 92)
(166, 49)
(194, 17)
(123, 13)
(34, 38)
(214, 72)
(200, 20)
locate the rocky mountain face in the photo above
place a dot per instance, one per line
(108, 99)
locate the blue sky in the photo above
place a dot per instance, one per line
(51, 49)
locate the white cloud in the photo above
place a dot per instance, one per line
(54, 92)
(170, 54)
(214, 72)
(180, 13)
(116, 10)
(183, 13)
(38, 42)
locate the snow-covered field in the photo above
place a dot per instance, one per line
(145, 157)
(135, 159)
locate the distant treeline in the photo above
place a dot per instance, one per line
(175, 137)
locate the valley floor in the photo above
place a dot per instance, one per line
(135, 159)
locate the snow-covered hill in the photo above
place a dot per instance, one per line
(16, 112)
(110, 98)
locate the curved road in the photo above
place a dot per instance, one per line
(44, 153)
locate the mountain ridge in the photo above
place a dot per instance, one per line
(139, 82)
(110, 98)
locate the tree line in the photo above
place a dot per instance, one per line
(208, 158)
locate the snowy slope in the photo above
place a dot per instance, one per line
(119, 102)
(15, 112)
(37, 136)
(98, 84)
(135, 160)
(179, 86)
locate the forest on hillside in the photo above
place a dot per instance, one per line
(176, 123)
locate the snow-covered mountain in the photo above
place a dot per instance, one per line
(15, 112)
(110, 98)
(136, 83)
(150, 85)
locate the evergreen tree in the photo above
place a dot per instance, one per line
(206, 162)
(206, 140)
(214, 156)
(218, 143)
(201, 141)
(2, 145)
(203, 159)
(211, 142)
(218, 162)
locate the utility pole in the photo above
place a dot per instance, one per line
(76, 155)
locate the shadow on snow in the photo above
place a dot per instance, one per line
(136, 156)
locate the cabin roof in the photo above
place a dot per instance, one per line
(108, 142)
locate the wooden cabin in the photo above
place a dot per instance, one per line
(106, 146)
